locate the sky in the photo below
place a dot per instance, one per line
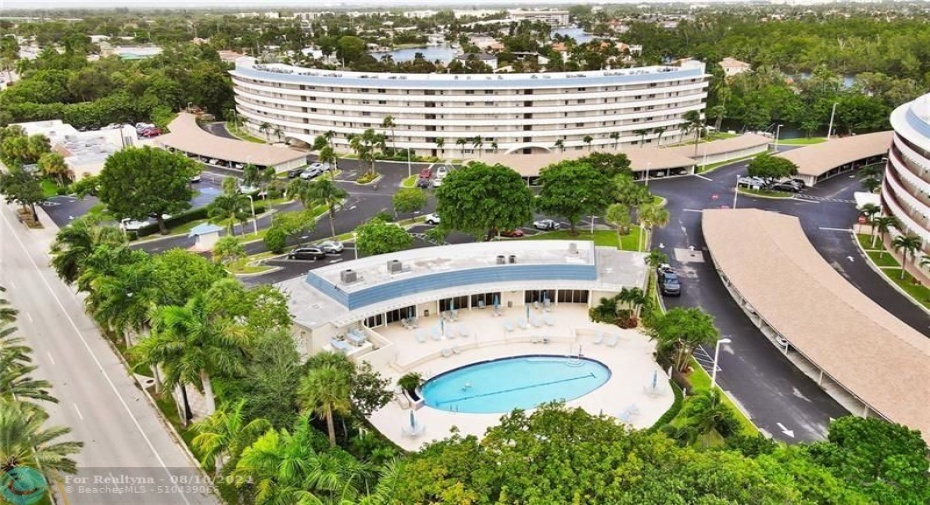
(258, 5)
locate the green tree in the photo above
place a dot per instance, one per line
(705, 411)
(641, 133)
(350, 49)
(907, 245)
(15, 366)
(365, 147)
(380, 237)
(650, 216)
(408, 200)
(122, 298)
(295, 223)
(53, 165)
(325, 391)
(389, 124)
(228, 250)
(680, 331)
(481, 198)
(612, 164)
(76, 242)
(28, 442)
(23, 188)
(587, 140)
(656, 258)
(324, 192)
(618, 215)
(265, 128)
(368, 390)
(694, 123)
(275, 239)
(615, 136)
(181, 275)
(328, 155)
(883, 224)
(571, 190)
(222, 436)
(560, 145)
(139, 182)
(771, 167)
(228, 208)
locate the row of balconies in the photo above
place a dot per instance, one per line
(905, 217)
(908, 198)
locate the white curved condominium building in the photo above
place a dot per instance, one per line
(906, 188)
(445, 114)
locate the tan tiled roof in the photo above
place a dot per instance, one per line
(878, 358)
(722, 146)
(188, 137)
(819, 159)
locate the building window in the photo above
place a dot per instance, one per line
(469, 92)
(366, 113)
(375, 321)
(469, 104)
(489, 92)
(581, 89)
(382, 90)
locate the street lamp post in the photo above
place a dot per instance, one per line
(736, 191)
(713, 375)
(355, 244)
(593, 218)
(409, 167)
(254, 219)
(777, 130)
(832, 114)
(648, 164)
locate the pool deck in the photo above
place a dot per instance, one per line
(630, 361)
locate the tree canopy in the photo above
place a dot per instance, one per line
(775, 167)
(572, 189)
(481, 198)
(381, 237)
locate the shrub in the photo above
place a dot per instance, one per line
(672, 412)
(384, 216)
(367, 177)
(275, 239)
(63, 190)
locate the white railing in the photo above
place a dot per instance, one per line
(905, 196)
(903, 217)
(906, 173)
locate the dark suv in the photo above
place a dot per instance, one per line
(669, 284)
(306, 253)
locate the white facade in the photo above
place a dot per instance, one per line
(554, 18)
(906, 186)
(517, 113)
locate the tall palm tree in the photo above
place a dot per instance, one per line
(693, 123)
(615, 136)
(656, 258)
(325, 192)
(328, 155)
(907, 245)
(278, 132)
(265, 128)
(705, 412)
(494, 145)
(659, 131)
(191, 348)
(325, 391)
(680, 331)
(53, 165)
(124, 302)
(871, 184)
(717, 112)
(642, 135)
(329, 135)
(560, 145)
(652, 215)
(7, 313)
(15, 367)
(461, 143)
(618, 215)
(477, 142)
(883, 224)
(389, 124)
(587, 140)
(440, 143)
(229, 207)
(225, 434)
(869, 211)
(365, 145)
(26, 441)
(77, 241)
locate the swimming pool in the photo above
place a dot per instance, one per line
(521, 382)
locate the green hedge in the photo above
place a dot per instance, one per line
(672, 412)
(182, 218)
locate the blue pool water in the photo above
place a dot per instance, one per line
(522, 382)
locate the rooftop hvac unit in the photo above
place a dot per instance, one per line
(348, 276)
(572, 248)
(513, 258)
(395, 266)
(501, 259)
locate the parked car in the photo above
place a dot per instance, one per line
(424, 183)
(786, 187)
(331, 247)
(247, 190)
(306, 253)
(511, 233)
(546, 224)
(150, 132)
(669, 283)
(432, 219)
(294, 172)
(442, 171)
(800, 182)
(437, 182)
(196, 178)
(128, 224)
(426, 173)
(321, 166)
(751, 182)
(311, 173)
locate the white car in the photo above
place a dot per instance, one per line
(195, 178)
(442, 171)
(437, 182)
(546, 225)
(128, 224)
(331, 247)
(248, 190)
(432, 218)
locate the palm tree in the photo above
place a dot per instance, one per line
(15, 367)
(53, 165)
(679, 331)
(228, 250)
(717, 112)
(694, 123)
(329, 137)
(325, 192)
(123, 302)
(76, 242)
(705, 412)
(278, 132)
(389, 124)
(883, 224)
(656, 258)
(869, 211)
(26, 442)
(615, 136)
(191, 348)
(477, 142)
(494, 145)
(659, 132)
(328, 155)
(652, 215)
(364, 146)
(907, 245)
(560, 145)
(225, 434)
(642, 135)
(871, 184)
(325, 391)
(264, 128)
(440, 143)
(461, 143)
(587, 140)
(7, 314)
(229, 207)
(618, 215)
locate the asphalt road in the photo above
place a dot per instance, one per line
(123, 434)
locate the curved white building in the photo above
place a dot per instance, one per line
(906, 188)
(443, 114)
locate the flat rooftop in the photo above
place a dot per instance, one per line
(872, 354)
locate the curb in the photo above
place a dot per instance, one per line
(875, 268)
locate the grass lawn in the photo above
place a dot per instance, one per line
(243, 267)
(49, 188)
(703, 169)
(883, 260)
(910, 285)
(242, 134)
(802, 142)
(601, 237)
(766, 193)
(409, 182)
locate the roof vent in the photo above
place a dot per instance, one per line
(513, 258)
(348, 276)
(501, 259)
(572, 248)
(395, 266)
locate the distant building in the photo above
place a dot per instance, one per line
(420, 14)
(486, 43)
(84, 152)
(732, 66)
(554, 18)
(488, 59)
(134, 53)
(229, 56)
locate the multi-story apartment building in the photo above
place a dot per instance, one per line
(906, 188)
(445, 114)
(554, 18)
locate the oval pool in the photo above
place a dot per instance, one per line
(521, 382)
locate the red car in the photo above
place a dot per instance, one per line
(511, 233)
(150, 132)
(426, 173)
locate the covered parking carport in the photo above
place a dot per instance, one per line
(187, 137)
(819, 162)
(870, 361)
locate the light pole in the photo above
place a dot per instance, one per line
(713, 375)
(777, 130)
(832, 114)
(355, 244)
(648, 164)
(736, 191)
(593, 218)
(409, 167)
(254, 219)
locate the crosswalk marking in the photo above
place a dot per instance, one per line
(822, 199)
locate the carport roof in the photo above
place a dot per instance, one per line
(186, 136)
(872, 354)
(819, 159)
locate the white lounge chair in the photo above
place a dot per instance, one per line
(548, 320)
(341, 346)
(536, 322)
(547, 305)
(455, 349)
(446, 352)
(464, 332)
(612, 340)
(481, 304)
(421, 337)
(536, 305)
(454, 314)
(413, 322)
(435, 334)
(497, 312)
(599, 339)
(508, 326)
